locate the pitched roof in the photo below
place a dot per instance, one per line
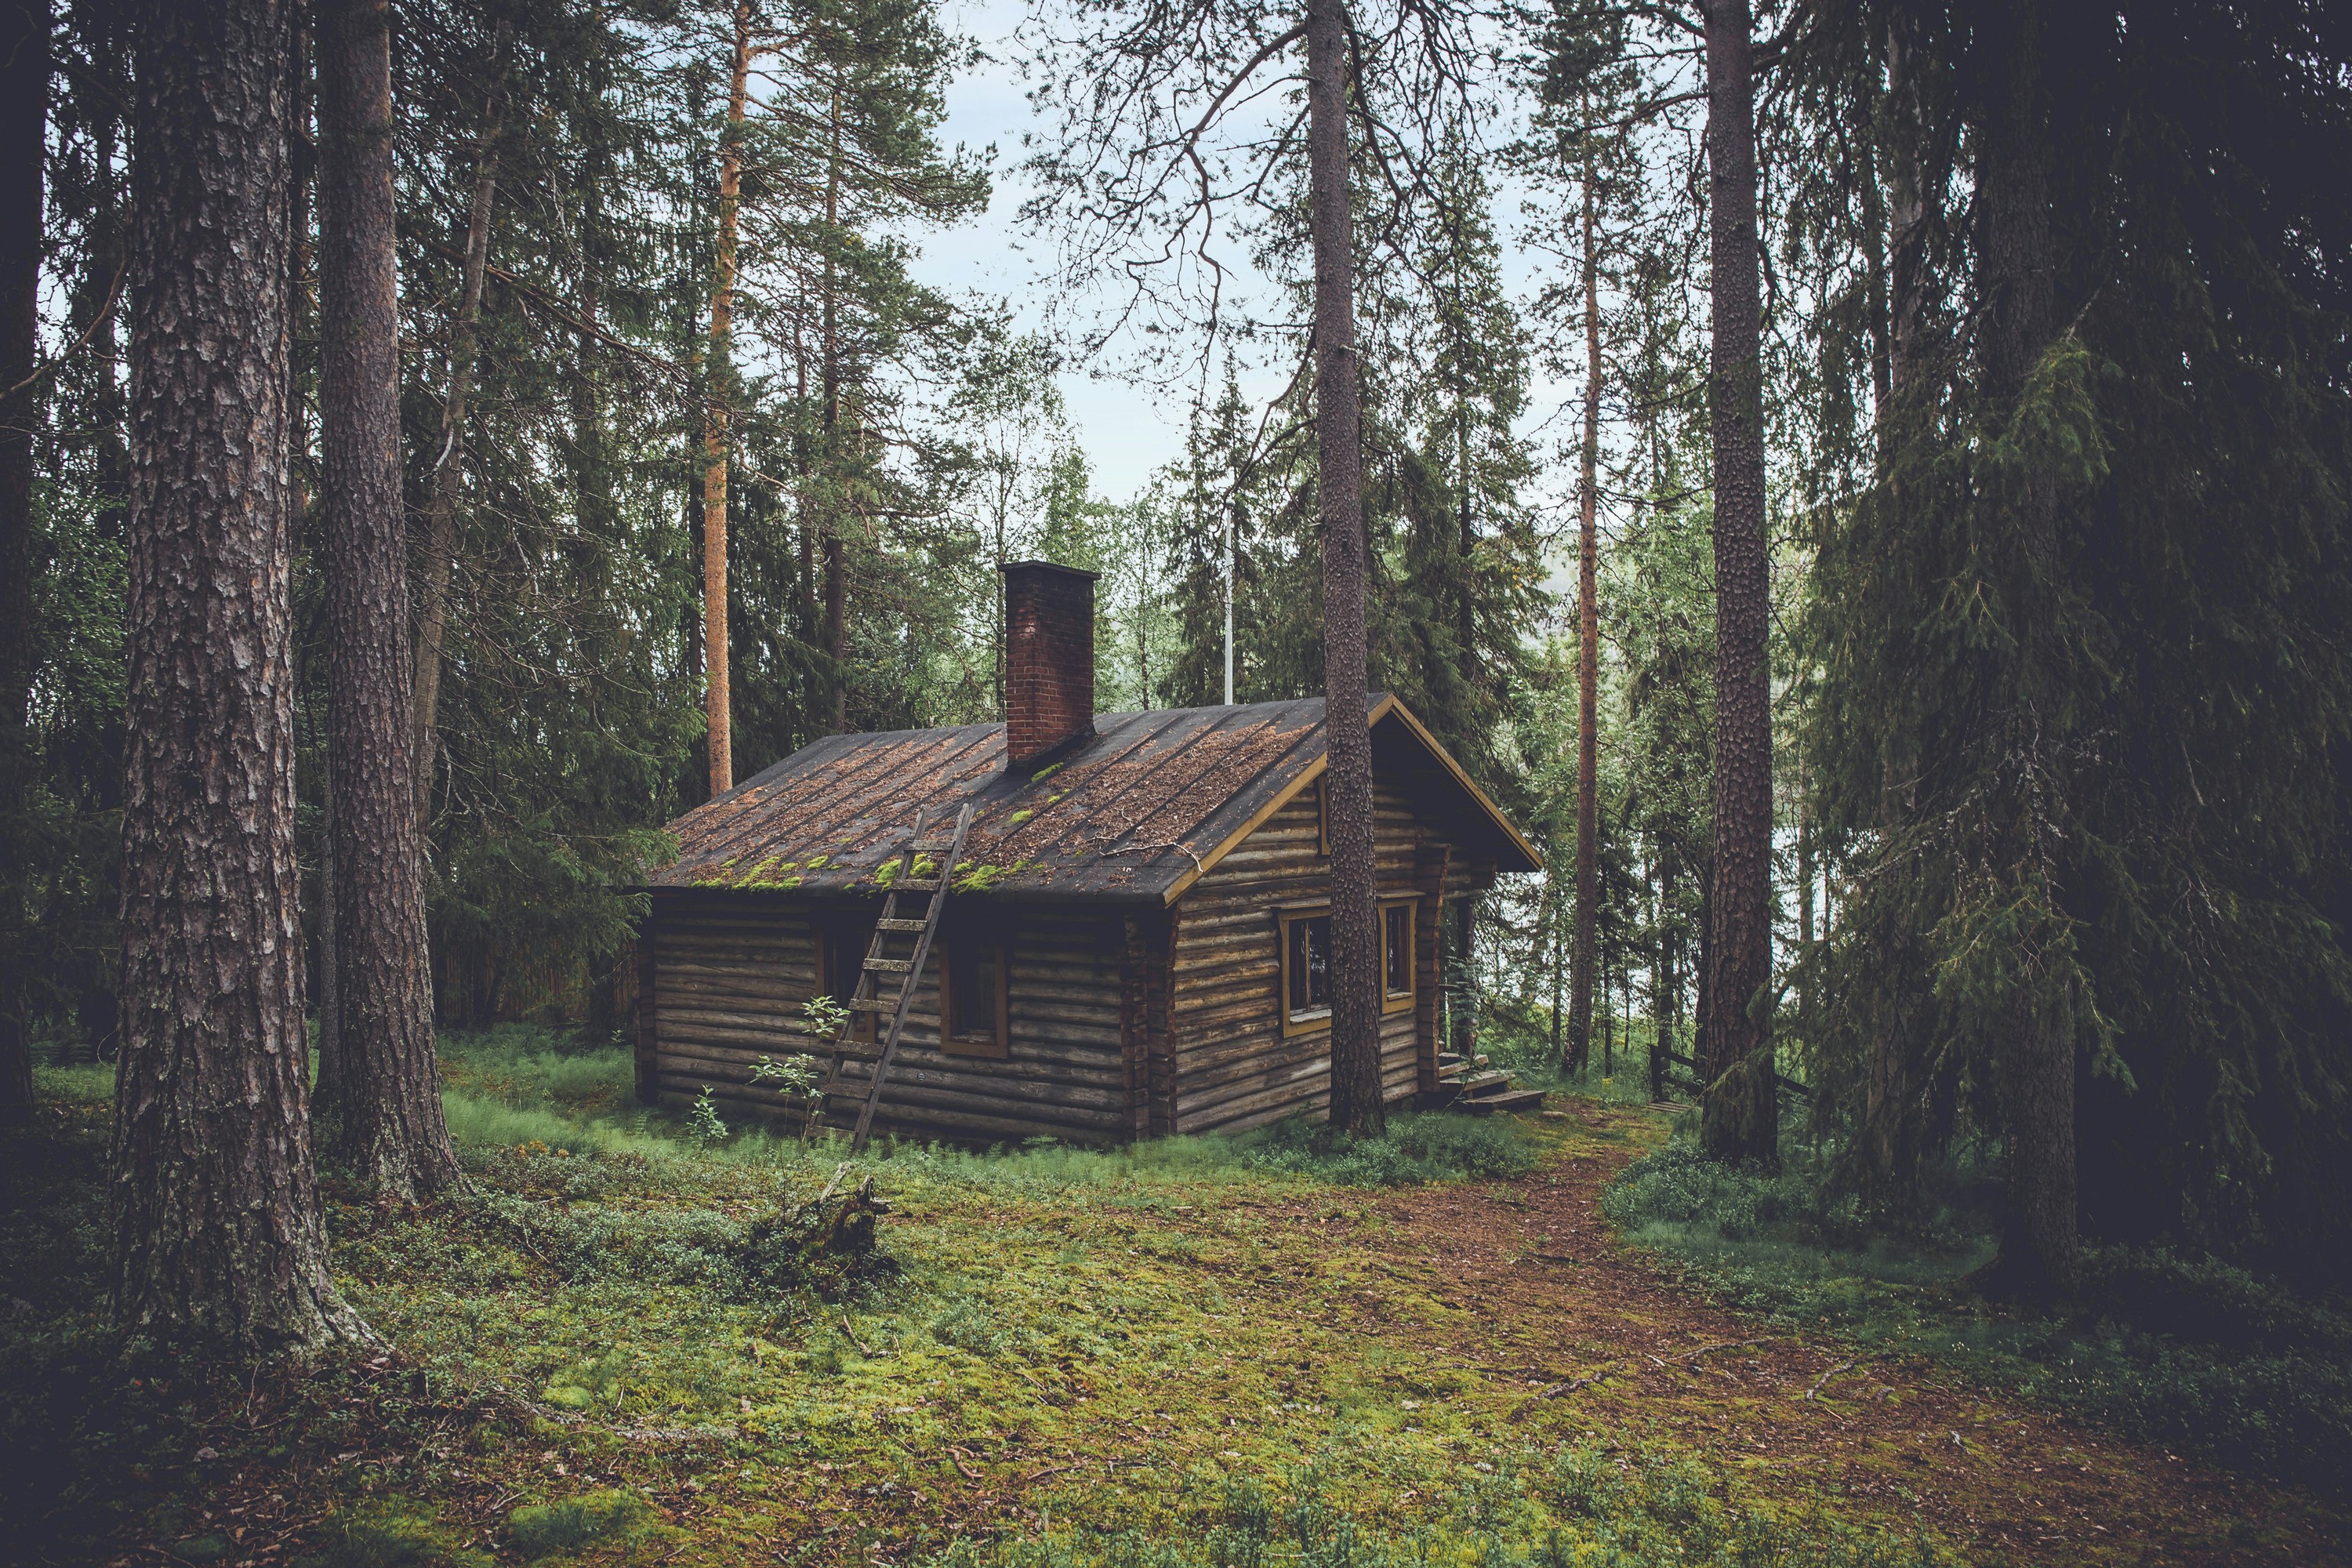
(1137, 812)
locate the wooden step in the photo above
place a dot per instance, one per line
(900, 925)
(915, 885)
(1448, 1059)
(1482, 1084)
(1497, 1104)
(929, 845)
(872, 1005)
(888, 965)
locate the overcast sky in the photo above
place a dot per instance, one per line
(1126, 431)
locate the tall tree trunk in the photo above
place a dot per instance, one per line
(1557, 932)
(1357, 1103)
(449, 456)
(1906, 231)
(721, 385)
(387, 1126)
(24, 123)
(1889, 1154)
(837, 577)
(1807, 852)
(327, 1081)
(1739, 1120)
(1588, 659)
(2017, 297)
(216, 1228)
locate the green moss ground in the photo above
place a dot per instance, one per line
(1239, 1354)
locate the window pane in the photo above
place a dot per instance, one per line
(845, 952)
(972, 988)
(1318, 961)
(1295, 963)
(1399, 920)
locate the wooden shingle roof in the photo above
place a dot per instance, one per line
(1135, 813)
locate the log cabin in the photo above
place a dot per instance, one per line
(1136, 937)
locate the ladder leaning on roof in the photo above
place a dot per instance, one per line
(865, 1000)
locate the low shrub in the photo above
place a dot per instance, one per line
(2185, 1351)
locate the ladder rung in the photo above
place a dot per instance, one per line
(930, 845)
(900, 925)
(872, 1005)
(888, 965)
(915, 885)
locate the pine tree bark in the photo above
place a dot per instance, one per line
(1588, 660)
(2017, 296)
(386, 1126)
(24, 123)
(215, 1228)
(716, 699)
(1740, 1118)
(441, 487)
(836, 574)
(1357, 1103)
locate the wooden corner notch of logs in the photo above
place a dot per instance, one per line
(907, 971)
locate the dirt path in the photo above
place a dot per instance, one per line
(1606, 1344)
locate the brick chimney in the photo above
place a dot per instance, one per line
(1049, 660)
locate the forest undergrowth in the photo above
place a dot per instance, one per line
(2181, 1351)
(1248, 1353)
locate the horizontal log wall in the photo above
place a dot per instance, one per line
(1234, 1067)
(731, 974)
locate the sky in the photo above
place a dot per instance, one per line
(1127, 431)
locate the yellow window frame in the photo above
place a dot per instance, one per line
(1395, 1001)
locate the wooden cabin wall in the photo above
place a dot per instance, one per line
(730, 973)
(1234, 1067)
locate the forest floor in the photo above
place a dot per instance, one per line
(1072, 1358)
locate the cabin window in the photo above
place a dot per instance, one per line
(1396, 956)
(1305, 979)
(973, 1002)
(842, 951)
(1305, 972)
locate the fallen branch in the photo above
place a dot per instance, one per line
(854, 1338)
(1155, 848)
(1819, 1383)
(1562, 1390)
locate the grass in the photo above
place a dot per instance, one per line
(1235, 1353)
(2185, 1354)
(519, 1087)
(1524, 1509)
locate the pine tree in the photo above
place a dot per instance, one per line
(216, 1231)
(386, 1122)
(24, 127)
(1741, 1113)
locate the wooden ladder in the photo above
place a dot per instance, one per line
(866, 1000)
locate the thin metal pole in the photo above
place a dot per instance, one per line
(1232, 549)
